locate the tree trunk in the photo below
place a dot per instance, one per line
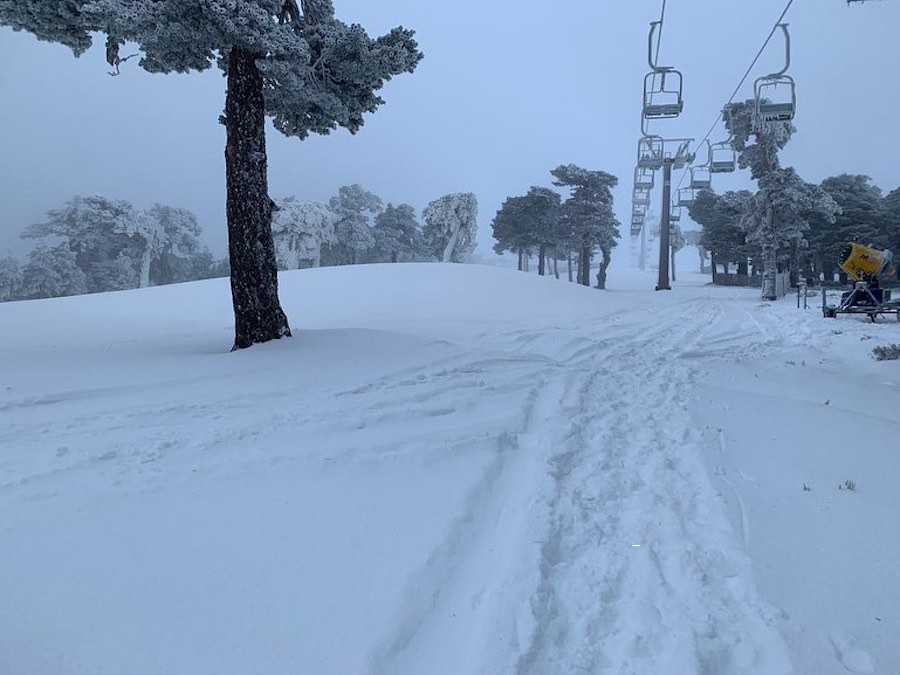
(556, 261)
(769, 255)
(258, 316)
(672, 264)
(584, 266)
(451, 245)
(742, 267)
(542, 259)
(569, 261)
(394, 256)
(795, 263)
(521, 258)
(144, 271)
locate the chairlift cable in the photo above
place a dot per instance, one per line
(662, 18)
(743, 79)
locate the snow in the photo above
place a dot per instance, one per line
(449, 469)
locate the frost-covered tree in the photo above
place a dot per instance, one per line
(778, 219)
(451, 223)
(757, 145)
(102, 234)
(510, 228)
(354, 208)
(542, 219)
(722, 235)
(676, 243)
(176, 241)
(10, 278)
(301, 228)
(398, 237)
(862, 217)
(891, 206)
(588, 215)
(51, 273)
(292, 61)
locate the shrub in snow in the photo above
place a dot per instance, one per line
(887, 353)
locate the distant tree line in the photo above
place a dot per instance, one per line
(94, 244)
(572, 226)
(788, 224)
(863, 214)
(355, 226)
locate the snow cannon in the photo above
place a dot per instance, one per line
(864, 263)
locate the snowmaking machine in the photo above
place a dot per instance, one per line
(867, 267)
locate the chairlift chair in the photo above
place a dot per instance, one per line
(644, 179)
(686, 196)
(663, 94)
(700, 178)
(776, 94)
(650, 152)
(637, 223)
(674, 213)
(722, 158)
(776, 99)
(640, 197)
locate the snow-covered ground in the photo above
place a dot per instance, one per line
(450, 469)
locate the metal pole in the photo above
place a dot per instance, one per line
(663, 283)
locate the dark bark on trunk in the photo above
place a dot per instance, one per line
(672, 263)
(604, 264)
(584, 266)
(569, 261)
(556, 262)
(742, 267)
(542, 259)
(394, 256)
(258, 316)
(521, 258)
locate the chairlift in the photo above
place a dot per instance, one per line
(663, 86)
(674, 213)
(650, 152)
(637, 223)
(686, 196)
(640, 197)
(663, 94)
(700, 178)
(776, 99)
(776, 94)
(644, 179)
(722, 157)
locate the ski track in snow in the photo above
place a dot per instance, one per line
(572, 494)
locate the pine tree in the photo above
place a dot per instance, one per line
(111, 240)
(297, 63)
(588, 215)
(451, 223)
(177, 243)
(354, 208)
(301, 228)
(10, 278)
(397, 234)
(51, 273)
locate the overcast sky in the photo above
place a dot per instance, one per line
(508, 90)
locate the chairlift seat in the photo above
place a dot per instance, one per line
(663, 110)
(722, 166)
(776, 112)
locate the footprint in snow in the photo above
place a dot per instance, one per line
(854, 659)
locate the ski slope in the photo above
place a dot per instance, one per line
(449, 469)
